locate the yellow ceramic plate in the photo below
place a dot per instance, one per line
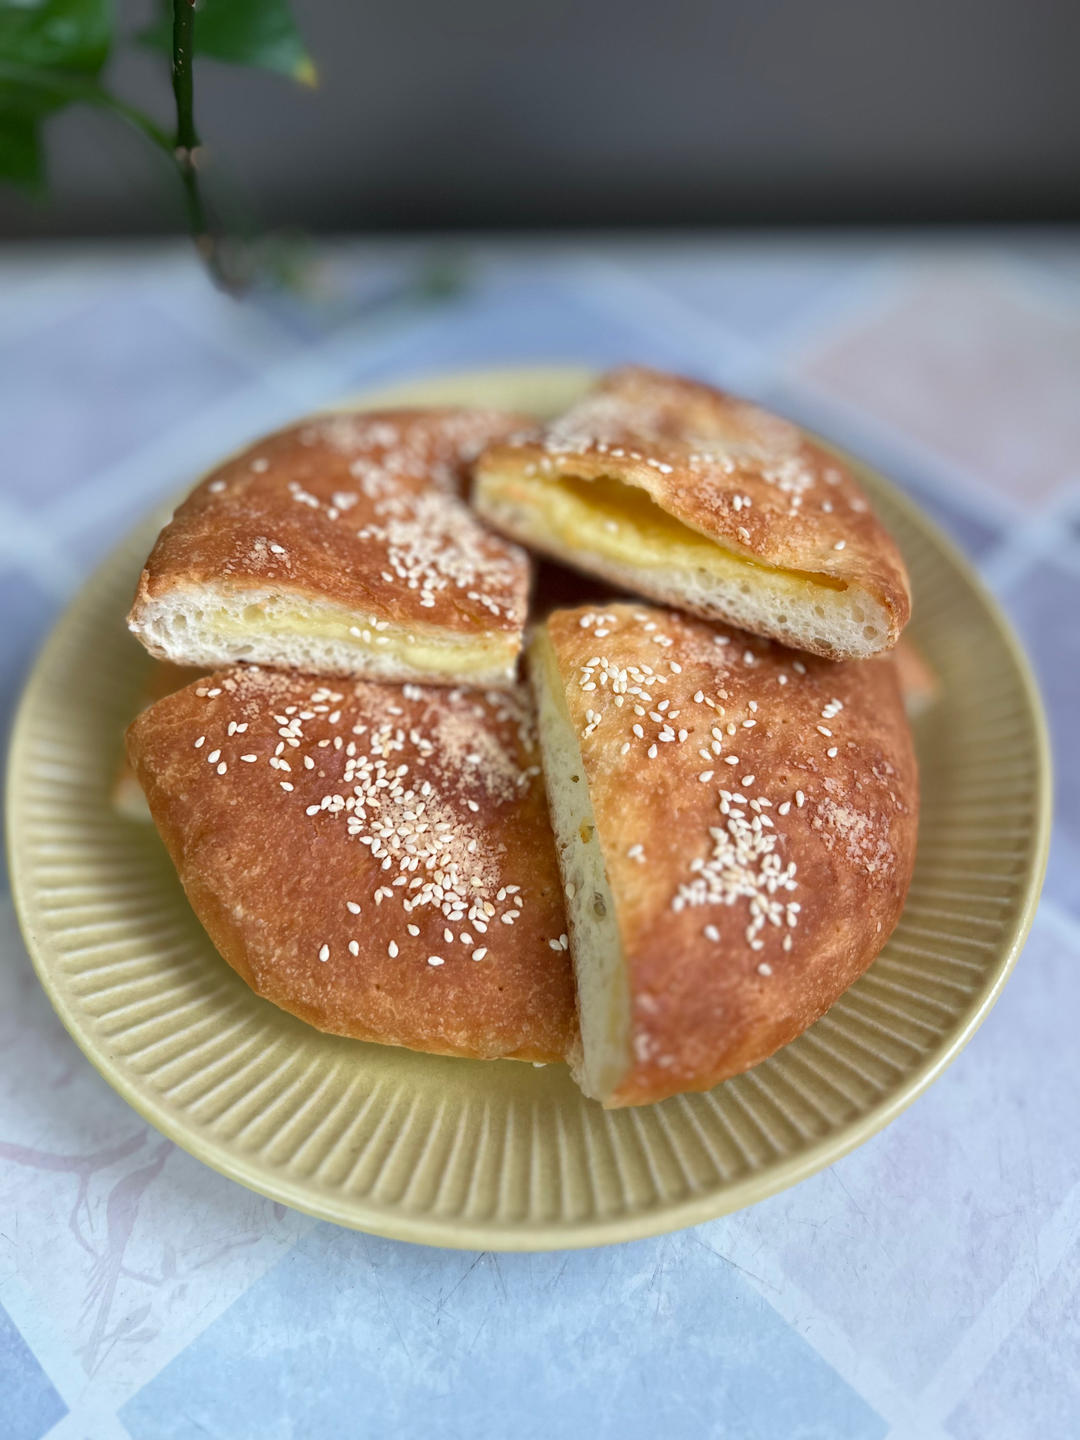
(502, 1155)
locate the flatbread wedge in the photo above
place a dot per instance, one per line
(342, 546)
(376, 860)
(735, 824)
(682, 493)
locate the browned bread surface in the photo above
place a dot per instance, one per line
(376, 860)
(756, 811)
(358, 511)
(160, 678)
(729, 471)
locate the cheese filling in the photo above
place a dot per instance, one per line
(448, 654)
(623, 523)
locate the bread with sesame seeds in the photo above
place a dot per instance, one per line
(697, 499)
(375, 860)
(735, 826)
(342, 546)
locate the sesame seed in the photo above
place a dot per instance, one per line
(832, 752)
(354, 948)
(764, 968)
(352, 907)
(213, 757)
(413, 929)
(249, 758)
(839, 545)
(731, 759)
(783, 807)
(748, 779)
(480, 953)
(392, 949)
(711, 933)
(200, 742)
(705, 776)
(800, 799)
(324, 952)
(221, 769)
(435, 960)
(283, 783)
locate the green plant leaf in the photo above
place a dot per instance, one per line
(49, 50)
(243, 32)
(70, 35)
(21, 160)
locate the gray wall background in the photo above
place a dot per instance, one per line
(481, 113)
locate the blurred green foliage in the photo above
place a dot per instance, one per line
(53, 53)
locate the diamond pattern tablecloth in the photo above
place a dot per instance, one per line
(926, 1286)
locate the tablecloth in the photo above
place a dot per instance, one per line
(927, 1285)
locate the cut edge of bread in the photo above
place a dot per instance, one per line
(212, 626)
(602, 1056)
(838, 622)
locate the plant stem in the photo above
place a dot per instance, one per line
(182, 76)
(182, 148)
(185, 151)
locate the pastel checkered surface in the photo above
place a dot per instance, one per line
(928, 1284)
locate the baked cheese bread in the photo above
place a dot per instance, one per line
(680, 492)
(342, 546)
(735, 824)
(376, 860)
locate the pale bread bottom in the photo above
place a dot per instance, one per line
(214, 626)
(838, 623)
(603, 989)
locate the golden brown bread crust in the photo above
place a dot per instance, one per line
(727, 469)
(360, 509)
(422, 806)
(758, 862)
(161, 679)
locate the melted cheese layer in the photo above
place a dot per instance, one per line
(443, 656)
(623, 523)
